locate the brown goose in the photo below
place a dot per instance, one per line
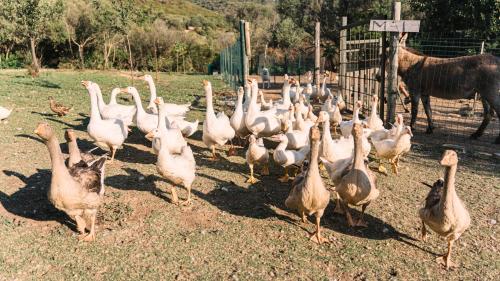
(77, 191)
(75, 156)
(59, 108)
(309, 195)
(444, 212)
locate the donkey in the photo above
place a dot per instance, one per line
(450, 78)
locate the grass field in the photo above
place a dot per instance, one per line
(232, 230)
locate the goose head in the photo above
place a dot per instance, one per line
(44, 131)
(70, 135)
(449, 158)
(129, 90)
(153, 134)
(322, 117)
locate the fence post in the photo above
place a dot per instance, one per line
(392, 77)
(248, 51)
(317, 55)
(343, 59)
(382, 75)
(242, 53)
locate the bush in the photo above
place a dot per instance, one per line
(14, 61)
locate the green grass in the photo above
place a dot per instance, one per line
(232, 231)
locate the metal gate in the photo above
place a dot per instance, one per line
(361, 55)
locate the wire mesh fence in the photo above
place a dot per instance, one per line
(457, 118)
(231, 64)
(361, 54)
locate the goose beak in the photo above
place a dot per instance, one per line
(35, 131)
(157, 101)
(85, 83)
(123, 90)
(149, 135)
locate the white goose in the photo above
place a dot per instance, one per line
(217, 129)
(374, 122)
(172, 108)
(4, 113)
(107, 133)
(173, 134)
(261, 123)
(346, 129)
(126, 113)
(237, 120)
(146, 122)
(286, 158)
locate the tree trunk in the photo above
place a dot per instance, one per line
(105, 52)
(80, 53)
(33, 56)
(130, 60)
(155, 50)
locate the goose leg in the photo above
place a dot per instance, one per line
(446, 259)
(214, 155)
(232, 150)
(113, 152)
(188, 200)
(316, 236)
(285, 177)
(304, 217)
(423, 236)
(338, 205)
(251, 179)
(381, 168)
(80, 226)
(394, 166)
(91, 236)
(265, 170)
(360, 221)
(348, 216)
(175, 198)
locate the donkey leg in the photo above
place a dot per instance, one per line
(487, 111)
(415, 99)
(494, 101)
(426, 101)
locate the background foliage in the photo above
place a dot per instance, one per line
(186, 36)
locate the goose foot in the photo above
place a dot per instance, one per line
(317, 238)
(395, 169)
(382, 169)
(322, 167)
(284, 178)
(251, 180)
(448, 264)
(232, 152)
(89, 237)
(361, 223)
(186, 202)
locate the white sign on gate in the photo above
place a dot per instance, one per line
(395, 25)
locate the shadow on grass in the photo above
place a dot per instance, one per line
(31, 201)
(43, 83)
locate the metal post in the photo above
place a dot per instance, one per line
(343, 59)
(317, 55)
(392, 77)
(248, 52)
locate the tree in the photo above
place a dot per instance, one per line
(125, 18)
(81, 25)
(34, 20)
(480, 18)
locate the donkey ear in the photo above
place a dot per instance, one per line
(402, 39)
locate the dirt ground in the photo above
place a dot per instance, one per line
(233, 230)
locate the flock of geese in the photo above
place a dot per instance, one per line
(77, 186)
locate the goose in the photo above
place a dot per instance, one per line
(303, 108)
(346, 128)
(146, 122)
(333, 111)
(261, 123)
(309, 195)
(357, 185)
(444, 212)
(59, 108)
(113, 110)
(75, 156)
(107, 133)
(172, 108)
(391, 149)
(237, 120)
(265, 105)
(257, 154)
(300, 123)
(373, 122)
(296, 138)
(297, 92)
(286, 158)
(77, 191)
(4, 113)
(217, 129)
(173, 134)
(178, 168)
